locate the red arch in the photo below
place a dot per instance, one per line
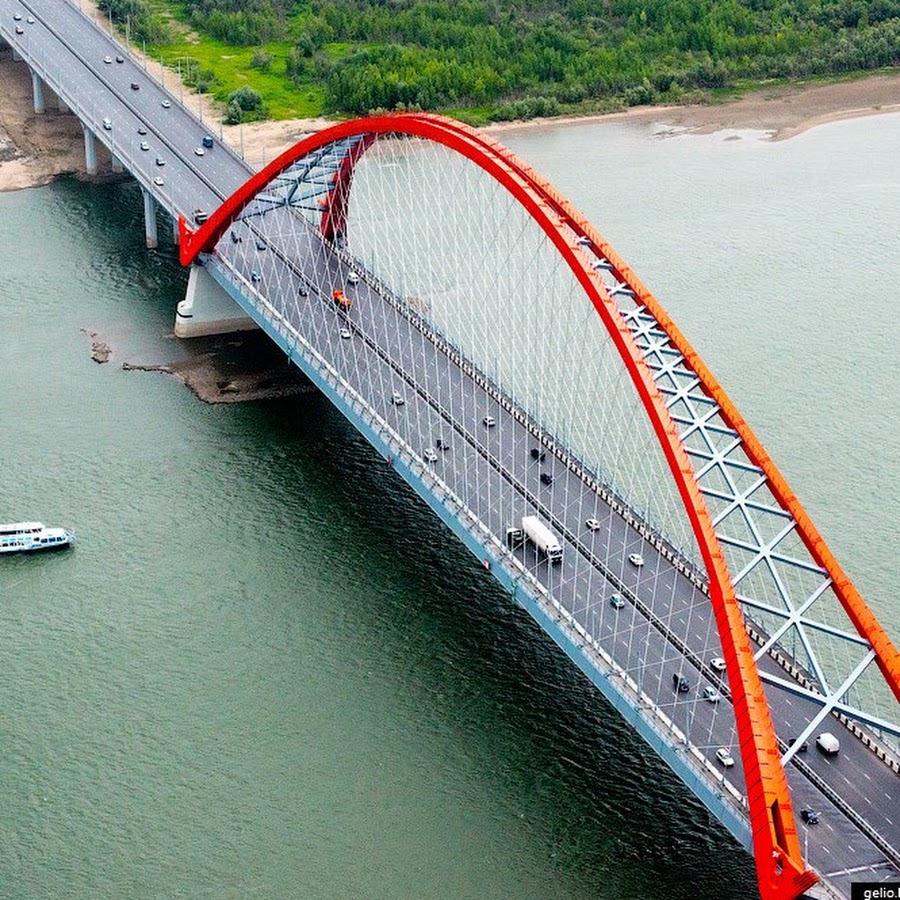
(781, 870)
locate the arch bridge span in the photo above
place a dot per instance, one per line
(509, 364)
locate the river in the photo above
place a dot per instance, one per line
(265, 671)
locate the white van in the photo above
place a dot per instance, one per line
(828, 743)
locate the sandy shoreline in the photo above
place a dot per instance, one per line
(36, 148)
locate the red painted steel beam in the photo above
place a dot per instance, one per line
(781, 871)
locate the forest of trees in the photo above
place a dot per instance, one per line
(536, 57)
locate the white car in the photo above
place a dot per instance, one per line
(489, 421)
(107, 60)
(198, 151)
(158, 181)
(711, 694)
(717, 664)
(723, 755)
(593, 525)
(398, 399)
(107, 125)
(145, 145)
(165, 104)
(353, 278)
(430, 455)
(345, 334)
(636, 559)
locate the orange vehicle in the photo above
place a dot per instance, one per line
(342, 301)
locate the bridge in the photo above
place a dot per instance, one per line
(503, 360)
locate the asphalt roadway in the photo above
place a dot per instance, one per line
(390, 352)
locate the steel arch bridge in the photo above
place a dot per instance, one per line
(508, 363)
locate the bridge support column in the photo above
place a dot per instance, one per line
(117, 166)
(176, 234)
(37, 88)
(63, 106)
(150, 220)
(90, 151)
(207, 309)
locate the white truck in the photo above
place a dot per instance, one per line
(542, 537)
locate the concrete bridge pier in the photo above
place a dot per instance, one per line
(117, 166)
(208, 309)
(90, 150)
(63, 106)
(37, 89)
(150, 220)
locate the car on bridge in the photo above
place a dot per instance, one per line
(711, 694)
(680, 683)
(353, 277)
(636, 559)
(809, 815)
(617, 601)
(723, 755)
(828, 743)
(717, 664)
(107, 125)
(546, 478)
(593, 524)
(398, 399)
(341, 300)
(165, 104)
(430, 455)
(489, 421)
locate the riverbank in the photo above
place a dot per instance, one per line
(36, 148)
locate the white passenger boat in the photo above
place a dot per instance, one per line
(23, 537)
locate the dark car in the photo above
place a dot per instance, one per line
(546, 478)
(809, 815)
(207, 141)
(442, 443)
(260, 244)
(135, 86)
(200, 216)
(538, 454)
(680, 683)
